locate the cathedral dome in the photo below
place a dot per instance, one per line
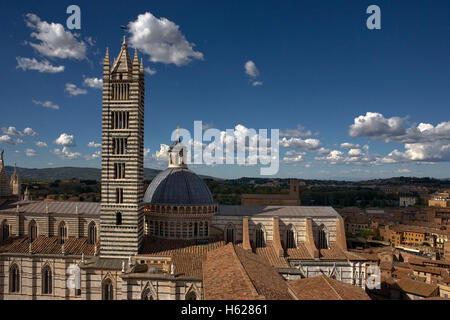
(178, 186)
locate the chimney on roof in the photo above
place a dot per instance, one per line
(63, 249)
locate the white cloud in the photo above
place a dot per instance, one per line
(404, 171)
(421, 152)
(150, 71)
(8, 140)
(347, 145)
(53, 40)
(300, 132)
(46, 104)
(257, 83)
(335, 156)
(65, 153)
(41, 144)
(355, 152)
(298, 143)
(251, 69)
(94, 145)
(423, 143)
(162, 40)
(162, 154)
(96, 155)
(12, 131)
(376, 126)
(292, 157)
(41, 66)
(30, 132)
(66, 140)
(73, 90)
(30, 153)
(147, 153)
(93, 83)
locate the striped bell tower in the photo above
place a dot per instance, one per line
(122, 209)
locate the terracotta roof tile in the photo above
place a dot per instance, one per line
(417, 287)
(232, 273)
(324, 288)
(299, 253)
(47, 245)
(270, 255)
(187, 256)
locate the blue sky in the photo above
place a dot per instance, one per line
(369, 103)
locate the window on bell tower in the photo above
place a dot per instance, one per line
(119, 196)
(120, 120)
(120, 145)
(119, 171)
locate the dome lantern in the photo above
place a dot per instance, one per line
(178, 154)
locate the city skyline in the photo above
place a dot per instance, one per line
(261, 66)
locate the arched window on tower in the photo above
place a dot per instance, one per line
(47, 282)
(230, 234)
(92, 233)
(147, 295)
(14, 279)
(291, 242)
(5, 230)
(322, 238)
(191, 295)
(62, 232)
(107, 290)
(32, 230)
(260, 240)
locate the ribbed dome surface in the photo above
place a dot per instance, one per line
(178, 186)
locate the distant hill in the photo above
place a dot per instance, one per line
(68, 173)
(407, 181)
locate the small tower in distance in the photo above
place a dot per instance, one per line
(295, 188)
(26, 195)
(15, 184)
(5, 188)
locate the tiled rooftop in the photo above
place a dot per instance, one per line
(277, 211)
(232, 273)
(47, 245)
(39, 207)
(324, 288)
(416, 287)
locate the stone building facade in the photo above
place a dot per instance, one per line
(153, 246)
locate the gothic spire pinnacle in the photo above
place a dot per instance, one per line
(136, 58)
(142, 66)
(106, 61)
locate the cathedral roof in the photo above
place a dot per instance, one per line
(324, 288)
(232, 273)
(178, 186)
(277, 211)
(41, 207)
(47, 245)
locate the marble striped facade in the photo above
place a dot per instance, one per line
(122, 222)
